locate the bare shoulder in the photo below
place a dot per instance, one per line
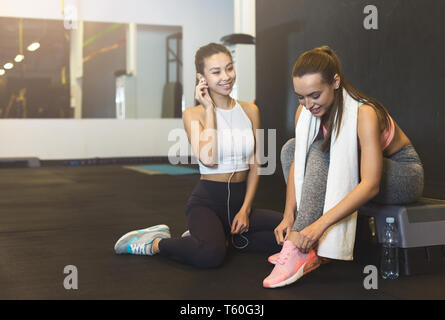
(367, 115)
(193, 113)
(297, 114)
(249, 106)
(368, 121)
(250, 109)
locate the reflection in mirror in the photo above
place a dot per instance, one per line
(131, 71)
(34, 69)
(96, 70)
(104, 53)
(152, 85)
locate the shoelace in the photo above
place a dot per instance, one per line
(138, 248)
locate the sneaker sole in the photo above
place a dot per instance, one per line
(312, 268)
(290, 280)
(296, 276)
(161, 227)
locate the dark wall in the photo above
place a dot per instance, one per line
(401, 64)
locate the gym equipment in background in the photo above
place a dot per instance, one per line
(242, 47)
(421, 228)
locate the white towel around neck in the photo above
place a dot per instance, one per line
(343, 176)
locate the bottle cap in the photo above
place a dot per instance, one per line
(389, 219)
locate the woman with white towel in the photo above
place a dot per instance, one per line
(347, 151)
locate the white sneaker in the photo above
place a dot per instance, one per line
(141, 241)
(186, 234)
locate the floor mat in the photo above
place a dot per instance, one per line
(163, 169)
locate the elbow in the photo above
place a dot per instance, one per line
(370, 188)
(207, 159)
(374, 190)
(208, 162)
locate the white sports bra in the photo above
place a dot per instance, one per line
(235, 143)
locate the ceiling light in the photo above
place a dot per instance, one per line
(19, 58)
(8, 66)
(2, 72)
(33, 46)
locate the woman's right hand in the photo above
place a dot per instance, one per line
(202, 94)
(283, 229)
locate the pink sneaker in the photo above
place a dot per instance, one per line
(290, 266)
(274, 258)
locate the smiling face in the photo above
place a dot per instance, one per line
(219, 73)
(315, 94)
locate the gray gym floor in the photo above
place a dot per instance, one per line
(52, 217)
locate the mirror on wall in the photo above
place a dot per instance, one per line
(98, 70)
(34, 69)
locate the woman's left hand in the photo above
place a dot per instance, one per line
(309, 236)
(240, 223)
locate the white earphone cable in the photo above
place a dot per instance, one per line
(228, 188)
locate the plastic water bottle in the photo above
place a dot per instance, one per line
(389, 263)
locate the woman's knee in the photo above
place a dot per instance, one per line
(288, 149)
(287, 152)
(209, 256)
(287, 156)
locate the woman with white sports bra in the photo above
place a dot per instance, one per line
(222, 132)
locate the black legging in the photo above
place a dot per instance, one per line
(207, 220)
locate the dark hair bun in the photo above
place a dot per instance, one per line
(327, 50)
